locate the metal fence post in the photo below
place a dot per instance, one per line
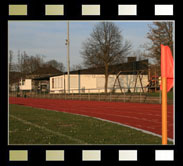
(140, 95)
(80, 95)
(89, 94)
(123, 95)
(99, 94)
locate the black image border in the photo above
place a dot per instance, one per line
(109, 153)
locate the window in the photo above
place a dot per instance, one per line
(73, 82)
(100, 82)
(56, 82)
(52, 82)
(60, 82)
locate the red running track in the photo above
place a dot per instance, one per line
(142, 116)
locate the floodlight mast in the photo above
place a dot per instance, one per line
(68, 59)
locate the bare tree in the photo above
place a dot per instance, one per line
(27, 64)
(77, 67)
(35, 62)
(105, 47)
(20, 62)
(57, 65)
(10, 60)
(159, 33)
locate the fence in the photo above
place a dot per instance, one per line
(97, 94)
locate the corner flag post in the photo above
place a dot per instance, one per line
(164, 111)
(166, 85)
(164, 96)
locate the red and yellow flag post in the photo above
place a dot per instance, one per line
(164, 111)
(166, 85)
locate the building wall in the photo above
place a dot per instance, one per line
(95, 83)
(128, 82)
(26, 84)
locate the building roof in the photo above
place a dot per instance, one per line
(125, 68)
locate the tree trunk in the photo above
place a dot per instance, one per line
(106, 77)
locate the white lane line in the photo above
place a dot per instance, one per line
(144, 131)
(118, 123)
(48, 130)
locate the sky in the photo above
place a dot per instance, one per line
(48, 38)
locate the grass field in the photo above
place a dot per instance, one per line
(29, 125)
(156, 94)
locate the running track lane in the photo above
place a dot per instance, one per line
(142, 116)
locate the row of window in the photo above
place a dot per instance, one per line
(124, 81)
(57, 83)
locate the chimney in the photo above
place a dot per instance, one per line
(132, 59)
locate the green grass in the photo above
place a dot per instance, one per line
(157, 94)
(29, 125)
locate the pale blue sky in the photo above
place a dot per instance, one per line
(48, 37)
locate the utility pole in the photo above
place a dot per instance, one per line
(68, 59)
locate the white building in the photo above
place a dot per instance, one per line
(25, 84)
(38, 80)
(93, 80)
(94, 83)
